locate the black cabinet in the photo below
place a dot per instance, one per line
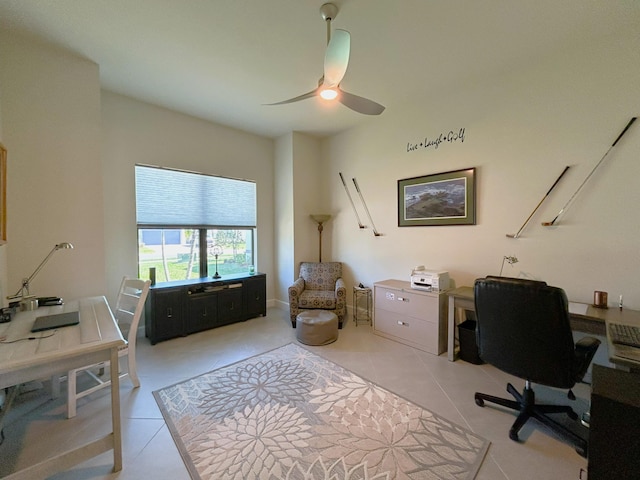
(254, 294)
(614, 442)
(230, 307)
(164, 314)
(179, 308)
(203, 312)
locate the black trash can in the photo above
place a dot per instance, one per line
(468, 345)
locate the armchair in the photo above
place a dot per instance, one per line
(319, 287)
(523, 329)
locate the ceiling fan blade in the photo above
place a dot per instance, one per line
(336, 58)
(360, 104)
(304, 96)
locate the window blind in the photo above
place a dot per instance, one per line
(166, 197)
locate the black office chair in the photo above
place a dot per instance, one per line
(523, 329)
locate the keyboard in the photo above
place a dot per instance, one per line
(625, 334)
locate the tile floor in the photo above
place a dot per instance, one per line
(37, 426)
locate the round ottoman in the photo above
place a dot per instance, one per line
(316, 327)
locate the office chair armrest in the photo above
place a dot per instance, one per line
(584, 351)
(587, 344)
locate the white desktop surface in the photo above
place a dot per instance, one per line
(95, 339)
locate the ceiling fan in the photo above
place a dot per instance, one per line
(336, 60)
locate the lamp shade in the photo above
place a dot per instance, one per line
(319, 217)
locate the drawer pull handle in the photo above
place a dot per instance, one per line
(400, 322)
(403, 299)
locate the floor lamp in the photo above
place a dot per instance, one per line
(320, 219)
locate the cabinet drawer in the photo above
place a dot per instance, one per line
(413, 331)
(406, 303)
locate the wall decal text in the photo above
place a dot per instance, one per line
(434, 142)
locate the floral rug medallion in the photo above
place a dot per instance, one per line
(291, 414)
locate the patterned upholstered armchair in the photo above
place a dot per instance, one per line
(319, 286)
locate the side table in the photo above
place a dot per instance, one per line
(362, 302)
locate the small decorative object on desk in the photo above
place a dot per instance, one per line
(600, 299)
(252, 270)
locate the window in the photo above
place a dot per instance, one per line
(181, 216)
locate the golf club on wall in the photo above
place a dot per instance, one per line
(566, 205)
(516, 235)
(351, 200)
(375, 232)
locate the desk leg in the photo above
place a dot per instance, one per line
(115, 411)
(451, 333)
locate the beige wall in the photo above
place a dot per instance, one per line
(283, 216)
(50, 103)
(67, 146)
(522, 128)
(299, 187)
(137, 132)
(4, 279)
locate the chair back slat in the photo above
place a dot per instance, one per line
(130, 304)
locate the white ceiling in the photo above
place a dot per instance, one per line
(221, 60)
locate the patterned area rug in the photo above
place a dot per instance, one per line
(290, 414)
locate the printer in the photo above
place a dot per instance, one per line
(428, 280)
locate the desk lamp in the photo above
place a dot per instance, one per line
(23, 292)
(320, 219)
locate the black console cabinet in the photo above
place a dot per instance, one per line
(178, 308)
(614, 442)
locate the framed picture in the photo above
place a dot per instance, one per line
(3, 194)
(447, 198)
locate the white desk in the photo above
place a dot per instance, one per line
(95, 339)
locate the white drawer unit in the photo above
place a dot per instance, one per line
(413, 317)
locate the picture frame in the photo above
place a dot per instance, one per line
(447, 198)
(3, 194)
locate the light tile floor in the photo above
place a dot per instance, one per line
(37, 426)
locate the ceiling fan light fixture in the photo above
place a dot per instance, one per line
(329, 93)
(336, 61)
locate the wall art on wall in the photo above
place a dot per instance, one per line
(3, 194)
(447, 198)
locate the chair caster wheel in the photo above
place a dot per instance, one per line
(479, 402)
(513, 436)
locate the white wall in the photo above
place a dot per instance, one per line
(307, 193)
(50, 103)
(4, 279)
(138, 132)
(66, 146)
(522, 128)
(283, 216)
(299, 186)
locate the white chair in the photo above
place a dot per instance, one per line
(129, 308)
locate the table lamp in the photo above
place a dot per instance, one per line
(23, 292)
(320, 219)
(217, 251)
